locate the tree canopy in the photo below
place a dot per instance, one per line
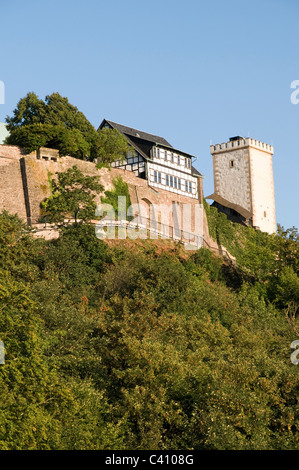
(56, 123)
(142, 345)
(73, 196)
(111, 145)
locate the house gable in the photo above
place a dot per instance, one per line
(157, 161)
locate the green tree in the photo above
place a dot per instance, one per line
(73, 195)
(111, 145)
(120, 188)
(30, 110)
(54, 123)
(288, 248)
(28, 385)
(45, 333)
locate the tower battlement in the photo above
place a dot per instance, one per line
(239, 142)
(243, 181)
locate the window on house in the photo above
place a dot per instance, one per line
(155, 176)
(175, 182)
(186, 186)
(231, 163)
(179, 160)
(159, 177)
(167, 180)
(189, 163)
(190, 187)
(171, 180)
(186, 162)
(171, 157)
(165, 155)
(154, 152)
(158, 153)
(179, 183)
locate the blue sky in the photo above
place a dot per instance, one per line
(193, 71)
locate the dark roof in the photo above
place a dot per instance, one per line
(155, 139)
(224, 202)
(195, 172)
(143, 142)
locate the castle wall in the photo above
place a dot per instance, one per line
(243, 176)
(39, 172)
(11, 182)
(233, 182)
(263, 198)
(25, 183)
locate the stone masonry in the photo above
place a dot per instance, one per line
(25, 183)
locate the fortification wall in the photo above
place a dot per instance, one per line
(232, 177)
(25, 183)
(11, 181)
(263, 194)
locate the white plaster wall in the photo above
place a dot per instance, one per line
(263, 197)
(178, 160)
(151, 167)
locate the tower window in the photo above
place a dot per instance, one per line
(231, 164)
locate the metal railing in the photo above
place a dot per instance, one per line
(145, 226)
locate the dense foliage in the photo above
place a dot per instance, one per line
(142, 345)
(120, 189)
(56, 123)
(111, 145)
(73, 195)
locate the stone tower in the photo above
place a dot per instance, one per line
(243, 182)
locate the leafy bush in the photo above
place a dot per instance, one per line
(140, 345)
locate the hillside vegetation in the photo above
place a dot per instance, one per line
(143, 345)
